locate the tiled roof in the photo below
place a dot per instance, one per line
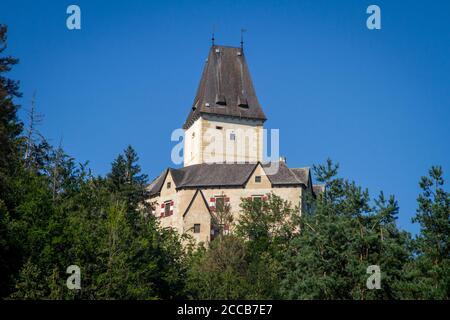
(227, 175)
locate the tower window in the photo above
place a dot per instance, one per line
(257, 179)
(232, 136)
(197, 228)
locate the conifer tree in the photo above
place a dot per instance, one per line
(339, 239)
(10, 130)
(432, 267)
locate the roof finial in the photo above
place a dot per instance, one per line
(212, 38)
(242, 38)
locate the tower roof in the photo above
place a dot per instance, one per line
(226, 87)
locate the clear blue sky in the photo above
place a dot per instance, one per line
(377, 102)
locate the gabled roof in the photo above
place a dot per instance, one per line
(227, 175)
(197, 192)
(226, 88)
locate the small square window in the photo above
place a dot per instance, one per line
(169, 184)
(257, 179)
(232, 136)
(197, 228)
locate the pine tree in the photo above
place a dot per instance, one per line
(339, 239)
(126, 180)
(432, 266)
(10, 130)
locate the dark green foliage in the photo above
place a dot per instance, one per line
(340, 239)
(431, 268)
(126, 180)
(10, 130)
(221, 272)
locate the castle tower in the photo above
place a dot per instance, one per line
(225, 124)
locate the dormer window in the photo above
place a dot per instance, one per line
(242, 101)
(220, 100)
(258, 179)
(169, 184)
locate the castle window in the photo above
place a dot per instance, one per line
(168, 208)
(220, 203)
(197, 228)
(257, 179)
(232, 136)
(169, 185)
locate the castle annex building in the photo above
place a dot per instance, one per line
(223, 153)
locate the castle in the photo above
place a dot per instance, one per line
(223, 154)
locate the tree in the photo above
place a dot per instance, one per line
(339, 239)
(431, 270)
(221, 272)
(221, 219)
(10, 130)
(10, 126)
(126, 179)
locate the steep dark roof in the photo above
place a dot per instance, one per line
(226, 175)
(155, 186)
(226, 87)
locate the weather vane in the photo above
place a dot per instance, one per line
(242, 38)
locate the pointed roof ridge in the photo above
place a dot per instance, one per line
(197, 191)
(226, 87)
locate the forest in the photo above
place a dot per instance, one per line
(54, 212)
